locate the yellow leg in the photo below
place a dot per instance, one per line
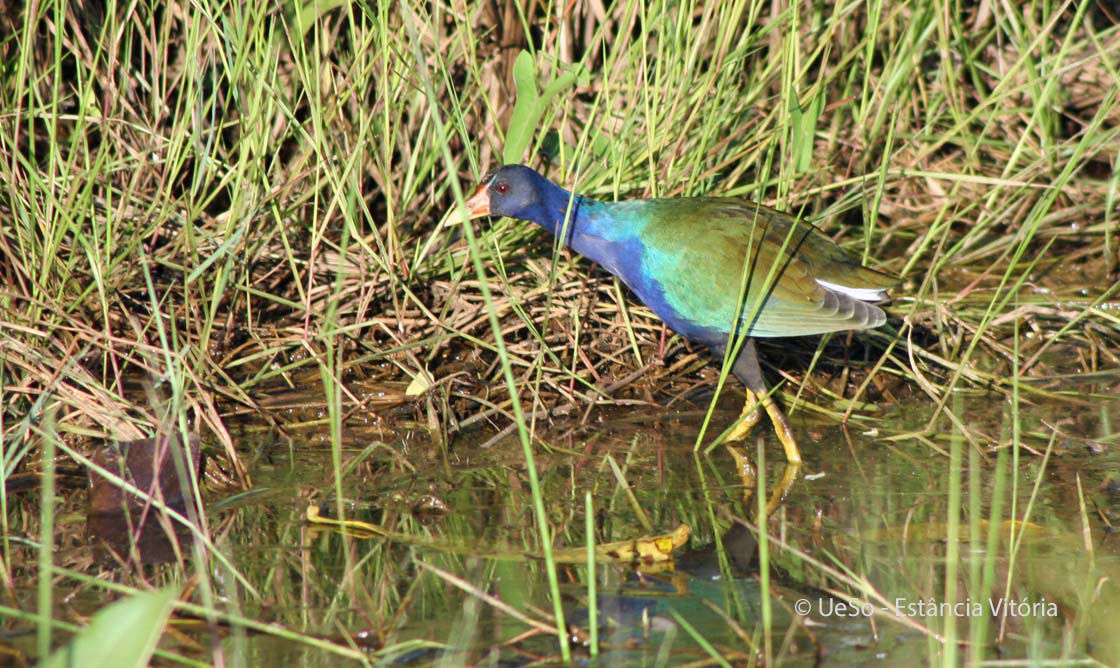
(751, 416)
(782, 429)
(747, 419)
(747, 370)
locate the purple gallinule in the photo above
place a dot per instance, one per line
(685, 259)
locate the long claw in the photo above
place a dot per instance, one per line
(751, 417)
(747, 419)
(782, 429)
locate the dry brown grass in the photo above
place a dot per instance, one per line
(211, 219)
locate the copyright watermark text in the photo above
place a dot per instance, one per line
(928, 607)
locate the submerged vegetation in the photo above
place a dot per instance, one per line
(244, 221)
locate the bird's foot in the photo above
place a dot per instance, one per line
(747, 420)
(751, 416)
(783, 430)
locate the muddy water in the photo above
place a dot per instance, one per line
(894, 545)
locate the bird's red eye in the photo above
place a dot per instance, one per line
(502, 187)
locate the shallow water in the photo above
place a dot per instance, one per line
(902, 519)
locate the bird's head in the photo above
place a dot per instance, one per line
(519, 192)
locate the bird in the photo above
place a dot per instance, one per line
(719, 271)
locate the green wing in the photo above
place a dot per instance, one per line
(799, 281)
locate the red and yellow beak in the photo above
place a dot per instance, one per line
(479, 203)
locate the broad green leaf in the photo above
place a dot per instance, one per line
(305, 15)
(806, 129)
(531, 105)
(558, 85)
(526, 109)
(121, 635)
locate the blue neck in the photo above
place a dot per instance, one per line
(604, 232)
(553, 207)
